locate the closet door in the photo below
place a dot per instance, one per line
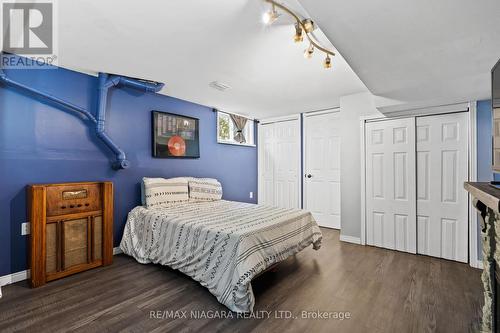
(390, 184)
(287, 164)
(442, 168)
(322, 168)
(279, 164)
(266, 147)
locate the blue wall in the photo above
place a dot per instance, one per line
(484, 159)
(39, 143)
(484, 128)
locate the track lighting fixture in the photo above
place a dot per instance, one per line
(298, 33)
(328, 62)
(270, 16)
(303, 26)
(308, 53)
(308, 25)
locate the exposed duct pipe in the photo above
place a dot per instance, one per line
(67, 105)
(105, 82)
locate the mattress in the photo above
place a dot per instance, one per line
(221, 244)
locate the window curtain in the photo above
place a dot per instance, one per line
(240, 123)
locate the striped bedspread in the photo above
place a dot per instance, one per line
(221, 244)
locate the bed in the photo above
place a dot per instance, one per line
(221, 244)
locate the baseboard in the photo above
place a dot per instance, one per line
(478, 264)
(24, 275)
(350, 239)
(14, 277)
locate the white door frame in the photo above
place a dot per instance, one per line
(306, 115)
(472, 148)
(473, 260)
(294, 117)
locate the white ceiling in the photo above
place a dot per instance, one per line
(415, 52)
(187, 44)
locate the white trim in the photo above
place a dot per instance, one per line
(362, 123)
(473, 255)
(399, 110)
(350, 239)
(14, 277)
(320, 112)
(303, 162)
(300, 128)
(278, 119)
(24, 275)
(233, 143)
(373, 117)
(260, 181)
(479, 264)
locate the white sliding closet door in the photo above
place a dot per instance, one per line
(442, 202)
(279, 164)
(391, 184)
(322, 168)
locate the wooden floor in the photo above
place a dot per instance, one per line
(384, 291)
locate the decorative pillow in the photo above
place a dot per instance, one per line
(160, 191)
(205, 189)
(143, 190)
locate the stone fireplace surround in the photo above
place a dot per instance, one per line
(487, 202)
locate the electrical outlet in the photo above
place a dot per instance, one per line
(25, 228)
(251, 195)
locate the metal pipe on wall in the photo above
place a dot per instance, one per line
(69, 106)
(105, 82)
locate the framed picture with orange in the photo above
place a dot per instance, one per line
(175, 136)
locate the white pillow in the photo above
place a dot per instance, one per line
(161, 191)
(205, 189)
(143, 190)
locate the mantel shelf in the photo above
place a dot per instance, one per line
(484, 192)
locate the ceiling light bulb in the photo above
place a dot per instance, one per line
(270, 16)
(266, 17)
(308, 53)
(328, 61)
(308, 25)
(298, 33)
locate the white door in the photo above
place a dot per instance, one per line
(322, 168)
(442, 202)
(279, 164)
(391, 184)
(287, 164)
(266, 158)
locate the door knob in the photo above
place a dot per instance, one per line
(308, 175)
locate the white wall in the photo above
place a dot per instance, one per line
(352, 107)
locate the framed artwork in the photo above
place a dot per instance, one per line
(175, 136)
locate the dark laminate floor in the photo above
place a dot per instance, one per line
(385, 291)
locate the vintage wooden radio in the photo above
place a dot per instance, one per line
(71, 228)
